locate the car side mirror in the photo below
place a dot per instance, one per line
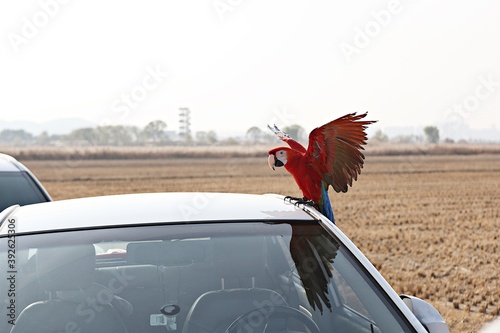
(426, 314)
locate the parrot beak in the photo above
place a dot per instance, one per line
(271, 160)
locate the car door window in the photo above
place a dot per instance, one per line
(18, 188)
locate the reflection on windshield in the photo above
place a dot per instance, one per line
(313, 254)
(191, 279)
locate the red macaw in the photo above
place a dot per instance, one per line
(333, 157)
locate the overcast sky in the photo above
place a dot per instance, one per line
(242, 63)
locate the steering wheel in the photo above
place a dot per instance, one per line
(262, 318)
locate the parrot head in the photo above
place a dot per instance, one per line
(277, 157)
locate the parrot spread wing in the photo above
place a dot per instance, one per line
(334, 150)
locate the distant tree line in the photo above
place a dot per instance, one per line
(155, 133)
(430, 135)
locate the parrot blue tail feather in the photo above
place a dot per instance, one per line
(326, 207)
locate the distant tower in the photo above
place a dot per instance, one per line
(185, 124)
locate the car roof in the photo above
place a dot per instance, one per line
(9, 163)
(147, 208)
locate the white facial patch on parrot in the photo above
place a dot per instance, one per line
(281, 156)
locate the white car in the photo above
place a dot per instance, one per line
(192, 263)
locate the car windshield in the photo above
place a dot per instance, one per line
(199, 277)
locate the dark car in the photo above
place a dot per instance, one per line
(192, 263)
(18, 185)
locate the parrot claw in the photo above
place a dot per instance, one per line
(279, 133)
(298, 201)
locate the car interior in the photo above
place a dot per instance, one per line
(253, 277)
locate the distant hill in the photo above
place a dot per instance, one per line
(58, 126)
